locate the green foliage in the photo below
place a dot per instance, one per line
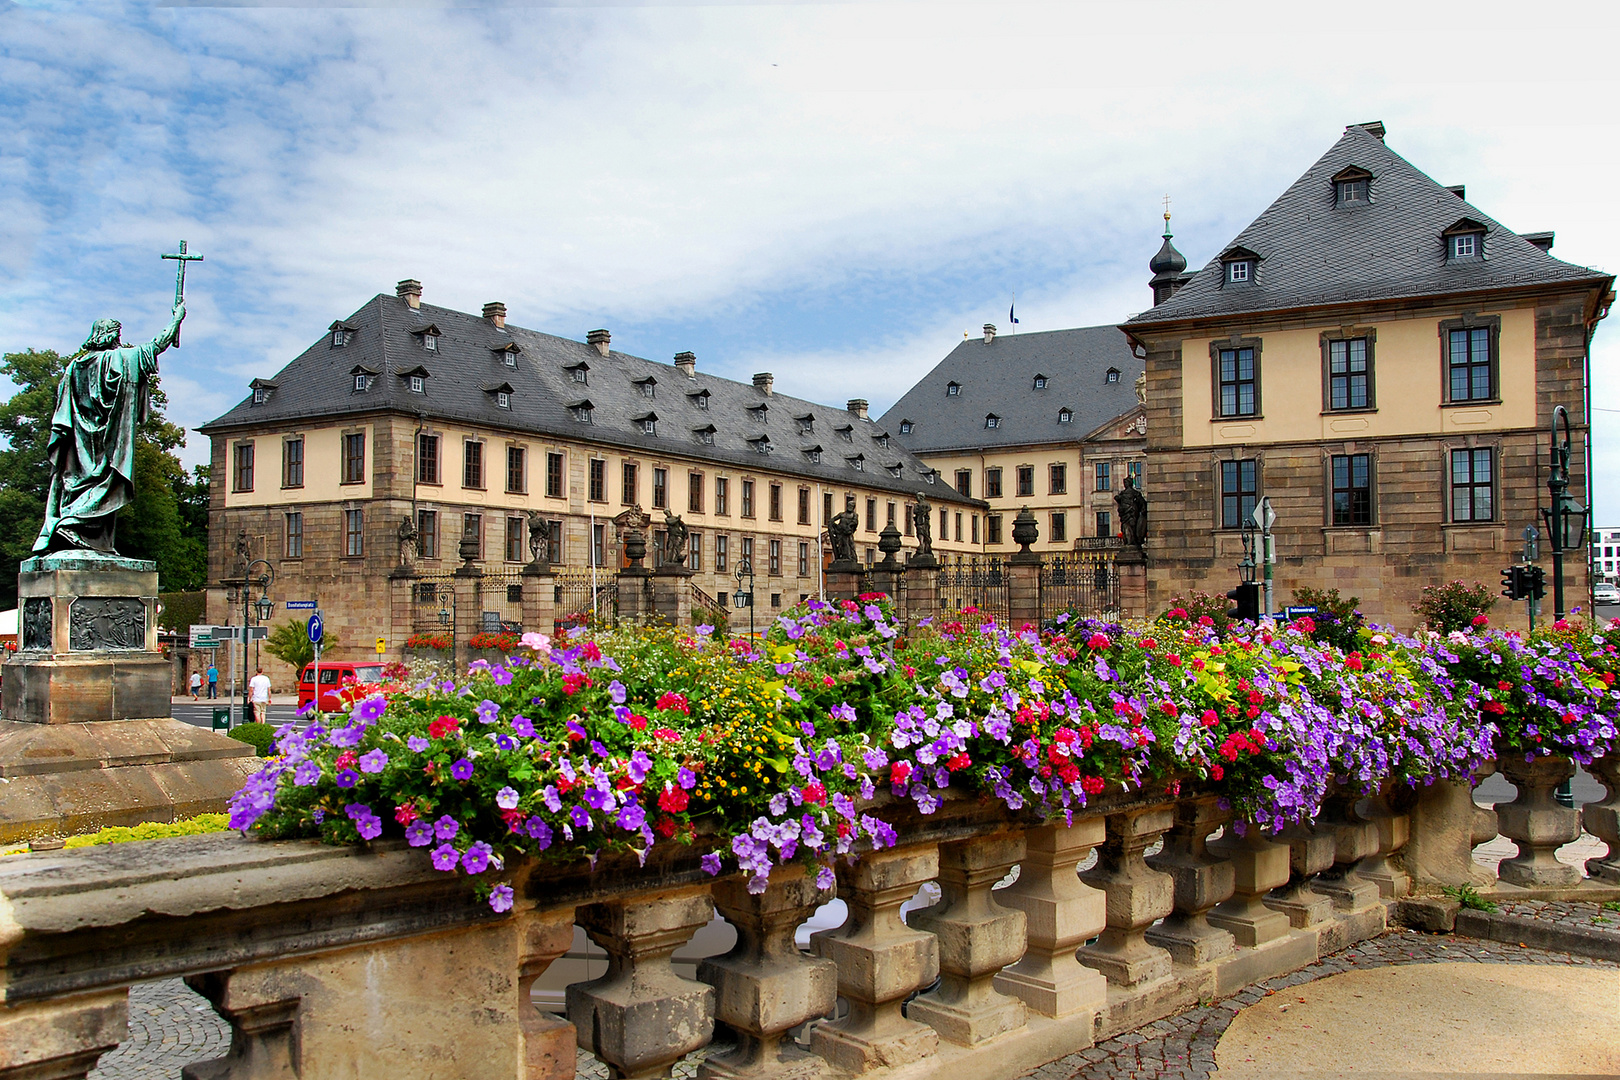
(181, 610)
(259, 736)
(25, 473)
(152, 830)
(289, 641)
(1465, 895)
(1454, 606)
(1337, 621)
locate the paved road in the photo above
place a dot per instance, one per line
(201, 713)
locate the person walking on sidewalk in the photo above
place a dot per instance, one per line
(196, 686)
(259, 696)
(213, 682)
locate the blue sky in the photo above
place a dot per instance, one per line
(833, 193)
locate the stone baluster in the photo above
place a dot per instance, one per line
(1061, 913)
(1394, 829)
(977, 938)
(641, 1017)
(1537, 824)
(1137, 897)
(63, 1038)
(880, 962)
(1310, 851)
(548, 1043)
(1603, 820)
(1259, 865)
(1354, 838)
(764, 986)
(1201, 882)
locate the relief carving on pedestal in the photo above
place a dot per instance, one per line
(36, 624)
(103, 623)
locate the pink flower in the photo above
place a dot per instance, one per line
(540, 644)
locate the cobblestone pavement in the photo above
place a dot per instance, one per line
(1182, 1047)
(1603, 918)
(170, 1027)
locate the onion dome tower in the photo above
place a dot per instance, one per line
(1169, 265)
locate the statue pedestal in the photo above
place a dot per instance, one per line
(87, 739)
(844, 580)
(672, 595)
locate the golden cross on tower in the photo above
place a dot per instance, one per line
(1167, 215)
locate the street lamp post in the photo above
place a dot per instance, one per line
(745, 568)
(1565, 518)
(243, 584)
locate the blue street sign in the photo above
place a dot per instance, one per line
(1296, 612)
(315, 629)
(300, 605)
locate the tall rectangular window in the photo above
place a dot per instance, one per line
(746, 552)
(1470, 364)
(555, 488)
(694, 493)
(554, 545)
(1058, 478)
(295, 535)
(964, 482)
(242, 467)
(891, 520)
(1133, 469)
(596, 480)
(722, 496)
(514, 539)
(747, 498)
(804, 506)
(694, 551)
(427, 459)
(1105, 476)
(975, 528)
(660, 489)
(354, 532)
(629, 492)
(1026, 481)
(354, 458)
(292, 463)
(473, 525)
(1105, 523)
(945, 525)
(804, 559)
(871, 515)
(992, 529)
(776, 558)
(1473, 487)
(427, 533)
(516, 481)
(1240, 486)
(826, 507)
(722, 545)
(472, 464)
(992, 484)
(776, 502)
(1059, 532)
(1349, 374)
(599, 544)
(959, 528)
(1352, 489)
(1238, 386)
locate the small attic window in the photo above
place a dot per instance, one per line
(581, 411)
(929, 474)
(895, 470)
(340, 338)
(704, 435)
(647, 424)
(580, 372)
(906, 426)
(1465, 246)
(503, 399)
(1065, 416)
(991, 420)
(882, 439)
(418, 384)
(700, 399)
(1239, 271)
(1352, 187)
(761, 445)
(507, 354)
(952, 389)
(1112, 376)
(847, 433)
(806, 423)
(1040, 382)
(262, 390)
(857, 462)
(647, 386)
(430, 342)
(1465, 241)
(361, 383)
(812, 454)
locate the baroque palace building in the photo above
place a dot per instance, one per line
(1382, 360)
(1051, 421)
(466, 425)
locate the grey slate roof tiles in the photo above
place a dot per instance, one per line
(1312, 252)
(385, 340)
(999, 378)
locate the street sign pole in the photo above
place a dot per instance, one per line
(316, 628)
(1266, 517)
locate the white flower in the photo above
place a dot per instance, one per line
(506, 799)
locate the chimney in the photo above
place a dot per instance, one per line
(1542, 240)
(600, 339)
(764, 381)
(410, 291)
(989, 332)
(1375, 128)
(1459, 190)
(687, 362)
(858, 407)
(495, 312)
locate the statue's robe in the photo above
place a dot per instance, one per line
(100, 404)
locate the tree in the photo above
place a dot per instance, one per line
(289, 641)
(25, 472)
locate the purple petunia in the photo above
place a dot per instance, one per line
(523, 727)
(419, 833)
(445, 857)
(539, 831)
(446, 827)
(462, 769)
(711, 863)
(306, 773)
(373, 761)
(506, 798)
(347, 778)
(417, 744)
(500, 898)
(476, 859)
(371, 709)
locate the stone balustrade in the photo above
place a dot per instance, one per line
(366, 962)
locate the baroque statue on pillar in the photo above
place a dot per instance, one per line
(539, 538)
(675, 537)
(1133, 509)
(841, 533)
(922, 519)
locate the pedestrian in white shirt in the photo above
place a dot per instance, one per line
(196, 686)
(259, 696)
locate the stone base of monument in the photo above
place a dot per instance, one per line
(87, 740)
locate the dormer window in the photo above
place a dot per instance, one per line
(430, 342)
(1065, 416)
(262, 390)
(507, 355)
(761, 445)
(580, 372)
(991, 420)
(503, 400)
(362, 377)
(1465, 241)
(895, 470)
(700, 399)
(806, 423)
(952, 389)
(361, 383)
(1352, 187)
(704, 435)
(1238, 266)
(342, 334)
(906, 426)
(581, 411)
(812, 454)
(1238, 271)
(648, 424)
(1040, 382)
(929, 474)
(847, 433)
(881, 439)
(647, 386)
(416, 379)
(758, 413)
(857, 462)
(418, 384)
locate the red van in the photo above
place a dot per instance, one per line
(335, 675)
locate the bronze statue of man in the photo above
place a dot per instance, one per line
(101, 403)
(1133, 512)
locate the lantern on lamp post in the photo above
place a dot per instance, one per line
(1565, 518)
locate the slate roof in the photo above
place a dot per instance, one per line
(1000, 378)
(467, 369)
(1314, 253)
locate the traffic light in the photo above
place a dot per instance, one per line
(1513, 583)
(1246, 597)
(1535, 582)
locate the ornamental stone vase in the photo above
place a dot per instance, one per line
(1537, 824)
(1602, 819)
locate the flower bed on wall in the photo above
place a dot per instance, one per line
(791, 747)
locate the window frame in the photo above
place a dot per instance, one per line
(694, 494)
(472, 464)
(596, 480)
(1057, 478)
(1104, 524)
(992, 482)
(1058, 527)
(773, 565)
(353, 465)
(1235, 345)
(629, 483)
(964, 483)
(775, 504)
(1024, 478)
(514, 539)
(1369, 511)
(427, 533)
(1470, 321)
(517, 470)
(746, 501)
(556, 475)
(1252, 494)
(425, 459)
(292, 462)
(1102, 475)
(992, 529)
(292, 534)
(804, 505)
(722, 549)
(1473, 485)
(1346, 335)
(722, 496)
(804, 558)
(354, 533)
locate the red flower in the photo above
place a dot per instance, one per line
(444, 725)
(960, 761)
(1306, 624)
(1178, 613)
(1216, 771)
(345, 760)
(638, 722)
(1091, 784)
(674, 702)
(665, 827)
(1168, 707)
(1504, 686)
(1097, 641)
(1205, 620)
(1209, 718)
(572, 684)
(405, 813)
(1353, 661)
(1480, 620)
(1495, 708)
(899, 773)
(673, 800)
(665, 734)
(814, 793)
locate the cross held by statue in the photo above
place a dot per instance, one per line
(181, 258)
